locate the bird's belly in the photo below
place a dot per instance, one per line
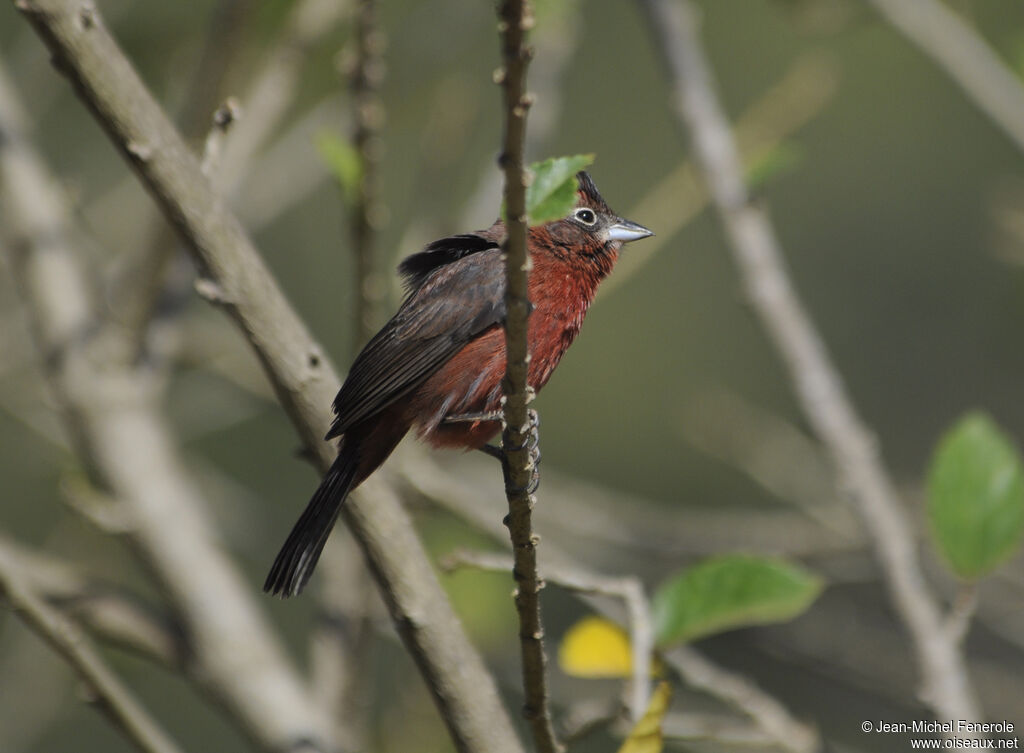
(470, 383)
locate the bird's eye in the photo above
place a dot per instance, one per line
(586, 216)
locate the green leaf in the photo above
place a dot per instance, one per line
(552, 193)
(729, 592)
(780, 159)
(342, 160)
(976, 496)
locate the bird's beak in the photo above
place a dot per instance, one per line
(626, 231)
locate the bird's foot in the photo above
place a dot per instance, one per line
(531, 442)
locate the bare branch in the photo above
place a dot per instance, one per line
(965, 57)
(275, 84)
(515, 20)
(367, 116)
(67, 640)
(770, 715)
(105, 611)
(946, 685)
(223, 118)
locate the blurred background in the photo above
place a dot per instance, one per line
(670, 428)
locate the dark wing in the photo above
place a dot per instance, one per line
(453, 303)
(418, 267)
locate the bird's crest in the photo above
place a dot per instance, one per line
(588, 194)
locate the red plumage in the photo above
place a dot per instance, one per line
(442, 355)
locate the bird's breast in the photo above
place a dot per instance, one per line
(470, 382)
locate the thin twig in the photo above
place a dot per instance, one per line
(68, 640)
(958, 620)
(272, 89)
(738, 691)
(275, 84)
(142, 290)
(629, 590)
(946, 686)
(106, 611)
(303, 379)
(223, 118)
(515, 20)
(965, 57)
(367, 117)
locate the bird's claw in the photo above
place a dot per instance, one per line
(531, 442)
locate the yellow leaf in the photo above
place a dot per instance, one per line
(595, 647)
(646, 736)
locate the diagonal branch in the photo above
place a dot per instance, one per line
(68, 640)
(946, 686)
(965, 57)
(296, 366)
(515, 19)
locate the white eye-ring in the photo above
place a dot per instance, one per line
(586, 216)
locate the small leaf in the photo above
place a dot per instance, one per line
(729, 592)
(976, 496)
(552, 193)
(784, 157)
(595, 647)
(342, 160)
(646, 736)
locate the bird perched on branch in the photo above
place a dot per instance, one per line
(437, 365)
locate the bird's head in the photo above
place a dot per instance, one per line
(592, 229)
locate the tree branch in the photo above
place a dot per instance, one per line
(67, 640)
(367, 117)
(296, 366)
(965, 57)
(106, 611)
(515, 20)
(946, 686)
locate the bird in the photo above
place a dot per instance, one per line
(437, 365)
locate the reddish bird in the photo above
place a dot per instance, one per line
(438, 364)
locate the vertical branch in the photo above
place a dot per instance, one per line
(367, 110)
(515, 20)
(818, 385)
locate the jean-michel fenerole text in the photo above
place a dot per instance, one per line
(958, 726)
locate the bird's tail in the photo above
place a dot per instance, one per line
(297, 558)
